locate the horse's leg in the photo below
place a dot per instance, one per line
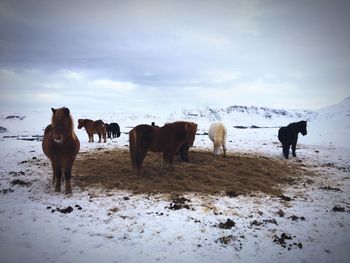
(184, 152)
(58, 169)
(141, 154)
(53, 173)
(286, 150)
(104, 137)
(67, 177)
(224, 149)
(294, 146)
(99, 137)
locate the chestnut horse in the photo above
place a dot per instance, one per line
(61, 146)
(167, 139)
(92, 127)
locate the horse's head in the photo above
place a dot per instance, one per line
(81, 123)
(191, 129)
(61, 124)
(303, 130)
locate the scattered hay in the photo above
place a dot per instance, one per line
(205, 173)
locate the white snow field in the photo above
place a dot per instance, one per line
(119, 226)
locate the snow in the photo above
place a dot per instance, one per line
(142, 228)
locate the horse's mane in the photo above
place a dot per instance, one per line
(71, 124)
(62, 112)
(298, 124)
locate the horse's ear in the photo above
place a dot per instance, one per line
(66, 111)
(53, 110)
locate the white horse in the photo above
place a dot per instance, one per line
(218, 134)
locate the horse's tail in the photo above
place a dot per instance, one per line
(133, 145)
(281, 133)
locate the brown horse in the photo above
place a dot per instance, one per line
(61, 146)
(92, 127)
(167, 139)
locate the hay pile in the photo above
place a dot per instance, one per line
(206, 173)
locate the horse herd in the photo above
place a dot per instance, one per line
(100, 128)
(61, 145)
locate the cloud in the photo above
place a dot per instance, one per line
(173, 52)
(46, 98)
(111, 85)
(41, 89)
(258, 92)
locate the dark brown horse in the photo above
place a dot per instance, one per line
(167, 139)
(61, 146)
(92, 127)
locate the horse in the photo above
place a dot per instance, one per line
(108, 131)
(61, 146)
(114, 129)
(289, 136)
(217, 134)
(166, 139)
(92, 127)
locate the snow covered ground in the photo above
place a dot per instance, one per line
(118, 226)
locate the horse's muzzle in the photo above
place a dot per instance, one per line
(58, 139)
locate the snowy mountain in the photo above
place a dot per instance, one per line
(243, 116)
(233, 116)
(336, 115)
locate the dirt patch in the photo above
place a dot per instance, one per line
(328, 188)
(6, 191)
(65, 210)
(205, 173)
(179, 203)
(338, 209)
(20, 182)
(264, 222)
(282, 240)
(297, 218)
(226, 225)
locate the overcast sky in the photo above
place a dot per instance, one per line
(158, 55)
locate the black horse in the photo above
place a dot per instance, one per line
(113, 130)
(289, 136)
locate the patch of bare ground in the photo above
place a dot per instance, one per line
(205, 173)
